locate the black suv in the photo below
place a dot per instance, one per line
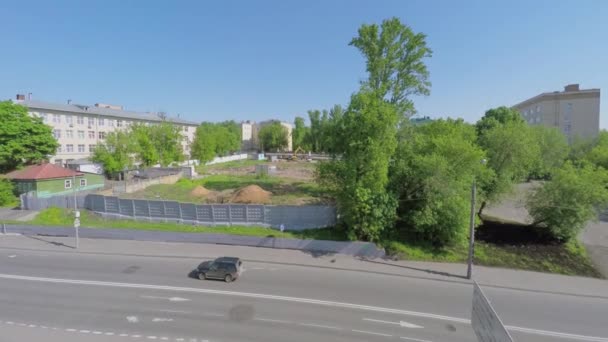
(224, 268)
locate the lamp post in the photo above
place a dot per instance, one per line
(472, 227)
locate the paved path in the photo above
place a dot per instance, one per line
(142, 288)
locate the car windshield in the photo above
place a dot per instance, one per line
(304, 170)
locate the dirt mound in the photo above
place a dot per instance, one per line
(251, 194)
(200, 191)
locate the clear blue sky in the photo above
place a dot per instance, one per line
(217, 60)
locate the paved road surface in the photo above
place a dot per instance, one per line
(91, 297)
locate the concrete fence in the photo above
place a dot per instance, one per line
(31, 202)
(291, 217)
(225, 159)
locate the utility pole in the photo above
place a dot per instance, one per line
(471, 231)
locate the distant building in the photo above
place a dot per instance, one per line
(48, 180)
(574, 111)
(250, 130)
(80, 128)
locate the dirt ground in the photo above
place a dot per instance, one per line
(286, 169)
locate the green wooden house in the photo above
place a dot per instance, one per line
(48, 180)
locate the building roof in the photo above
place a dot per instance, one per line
(83, 161)
(552, 95)
(42, 171)
(106, 112)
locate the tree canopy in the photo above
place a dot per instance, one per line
(273, 137)
(23, 139)
(215, 139)
(116, 153)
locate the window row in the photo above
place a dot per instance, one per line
(70, 148)
(68, 182)
(80, 120)
(69, 134)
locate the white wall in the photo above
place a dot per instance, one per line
(218, 160)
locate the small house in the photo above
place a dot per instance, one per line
(85, 165)
(48, 180)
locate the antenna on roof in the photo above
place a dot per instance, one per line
(69, 101)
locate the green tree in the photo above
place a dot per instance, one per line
(273, 137)
(203, 147)
(167, 139)
(300, 134)
(431, 173)
(496, 117)
(115, 153)
(232, 140)
(7, 192)
(553, 151)
(359, 177)
(596, 150)
(23, 139)
(316, 135)
(573, 197)
(143, 145)
(512, 151)
(395, 57)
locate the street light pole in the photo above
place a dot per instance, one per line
(471, 231)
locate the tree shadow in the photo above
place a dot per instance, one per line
(55, 243)
(425, 270)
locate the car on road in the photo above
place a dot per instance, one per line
(225, 268)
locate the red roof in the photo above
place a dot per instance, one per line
(42, 171)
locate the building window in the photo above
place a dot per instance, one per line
(43, 117)
(80, 120)
(92, 148)
(538, 119)
(538, 108)
(111, 122)
(58, 149)
(102, 135)
(83, 182)
(69, 148)
(80, 134)
(68, 183)
(59, 162)
(57, 133)
(91, 122)
(100, 121)
(91, 134)
(80, 148)
(118, 123)
(68, 119)
(56, 118)
(69, 134)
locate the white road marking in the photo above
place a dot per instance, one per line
(136, 336)
(173, 311)
(296, 300)
(31, 326)
(123, 335)
(160, 319)
(97, 332)
(12, 256)
(84, 331)
(43, 326)
(132, 319)
(400, 323)
(171, 299)
(319, 326)
(109, 333)
(151, 337)
(413, 339)
(371, 333)
(272, 320)
(21, 324)
(11, 323)
(70, 330)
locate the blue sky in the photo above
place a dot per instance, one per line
(217, 60)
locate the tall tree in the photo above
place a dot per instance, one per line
(167, 139)
(300, 134)
(553, 151)
(496, 117)
(203, 147)
(143, 145)
(23, 139)
(273, 137)
(395, 57)
(315, 130)
(115, 153)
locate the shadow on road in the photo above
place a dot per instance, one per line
(425, 270)
(55, 243)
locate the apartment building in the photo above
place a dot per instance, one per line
(80, 128)
(575, 111)
(249, 134)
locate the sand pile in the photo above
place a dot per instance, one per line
(251, 194)
(200, 191)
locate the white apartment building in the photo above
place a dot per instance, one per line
(249, 134)
(80, 128)
(575, 111)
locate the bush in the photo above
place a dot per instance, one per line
(7, 192)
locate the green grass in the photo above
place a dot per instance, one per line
(568, 259)
(65, 217)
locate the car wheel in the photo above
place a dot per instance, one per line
(202, 276)
(228, 278)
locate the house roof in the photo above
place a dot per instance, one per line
(106, 112)
(42, 171)
(83, 161)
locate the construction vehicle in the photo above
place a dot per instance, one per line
(294, 156)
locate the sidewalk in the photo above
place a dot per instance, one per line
(485, 276)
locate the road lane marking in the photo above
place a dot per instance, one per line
(84, 331)
(136, 336)
(31, 326)
(400, 323)
(109, 333)
(413, 339)
(132, 319)
(371, 333)
(97, 332)
(123, 335)
(152, 337)
(161, 319)
(12, 256)
(70, 330)
(171, 299)
(296, 300)
(272, 320)
(319, 326)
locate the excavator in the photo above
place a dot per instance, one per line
(294, 156)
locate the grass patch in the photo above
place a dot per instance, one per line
(65, 217)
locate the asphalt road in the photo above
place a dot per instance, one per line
(55, 296)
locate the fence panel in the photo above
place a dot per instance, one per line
(188, 211)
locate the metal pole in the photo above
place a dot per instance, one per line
(471, 232)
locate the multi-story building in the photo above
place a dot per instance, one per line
(80, 128)
(250, 130)
(575, 111)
